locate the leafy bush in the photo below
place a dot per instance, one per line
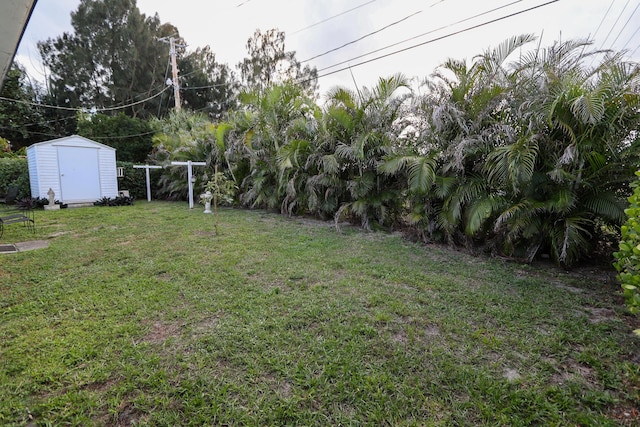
(222, 189)
(135, 180)
(628, 257)
(15, 171)
(116, 201)
(115, 131)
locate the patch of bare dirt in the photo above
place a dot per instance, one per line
(400, 337)
(432, 331)
(573, 371)
(161, 331)
(101, 386)
(511, 375)
(205, 325)
(600, 315)
(128, 415)
(626, 416)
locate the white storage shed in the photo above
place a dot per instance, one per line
(78, 169)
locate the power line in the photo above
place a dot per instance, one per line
(603, 18)
(422, 35)
(183, 88)
(332, 17)
(614, 24)
(631, 38)
(57, 135)
(58, 107)
(363, 37)
(438, 38)
(625, 25)
(124, 136)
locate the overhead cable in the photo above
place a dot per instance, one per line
(363, 37)
(332, 17)
(473, 27)
(422, 35)
(614, 24)
(625, 26)
(99, 110)
(603, 18)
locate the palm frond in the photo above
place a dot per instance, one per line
(606, 205)
(480, 210)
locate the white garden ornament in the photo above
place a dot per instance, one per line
(206, 198)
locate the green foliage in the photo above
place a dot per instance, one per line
(14, 171)
(22, 122)
(273, 136)
(205, 85)
(183, 136)
(112, 56)
(531, 157)
(520, 159)
(223, 190)
(135, 180)
(269, 63)
(114, 201)
(628, 256)
(131, 137)
(5, 148)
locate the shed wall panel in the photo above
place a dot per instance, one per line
(48, 172)
(108, 173)
(33, 172)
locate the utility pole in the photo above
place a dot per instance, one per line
(174, 68)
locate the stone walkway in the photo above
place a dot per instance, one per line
(23, 246)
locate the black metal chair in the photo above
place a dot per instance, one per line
(12, 194)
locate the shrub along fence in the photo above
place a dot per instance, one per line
(14, 171)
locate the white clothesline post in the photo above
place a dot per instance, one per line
(147, 167)
(189, 164)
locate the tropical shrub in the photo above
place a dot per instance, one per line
(531, 156)
(628, 256)
(14, 171)
(182, 136)
(271, 138)
(135, 180)
(360, 131)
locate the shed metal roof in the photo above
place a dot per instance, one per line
(14, 16)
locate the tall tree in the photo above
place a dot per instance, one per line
(22, 122)
(113, 56)
(270, 63)
(206, 85)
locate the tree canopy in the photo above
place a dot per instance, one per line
(269, 63)
(115, 57)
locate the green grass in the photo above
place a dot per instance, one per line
(141, 315)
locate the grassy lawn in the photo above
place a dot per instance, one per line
(141, 315)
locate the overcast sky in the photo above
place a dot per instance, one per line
(312, 27)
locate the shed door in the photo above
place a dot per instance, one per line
(79, 173)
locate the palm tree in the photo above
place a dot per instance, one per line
(181, 136)
(581, 121)
(359, 130)
(272, 135)
(527, 156)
